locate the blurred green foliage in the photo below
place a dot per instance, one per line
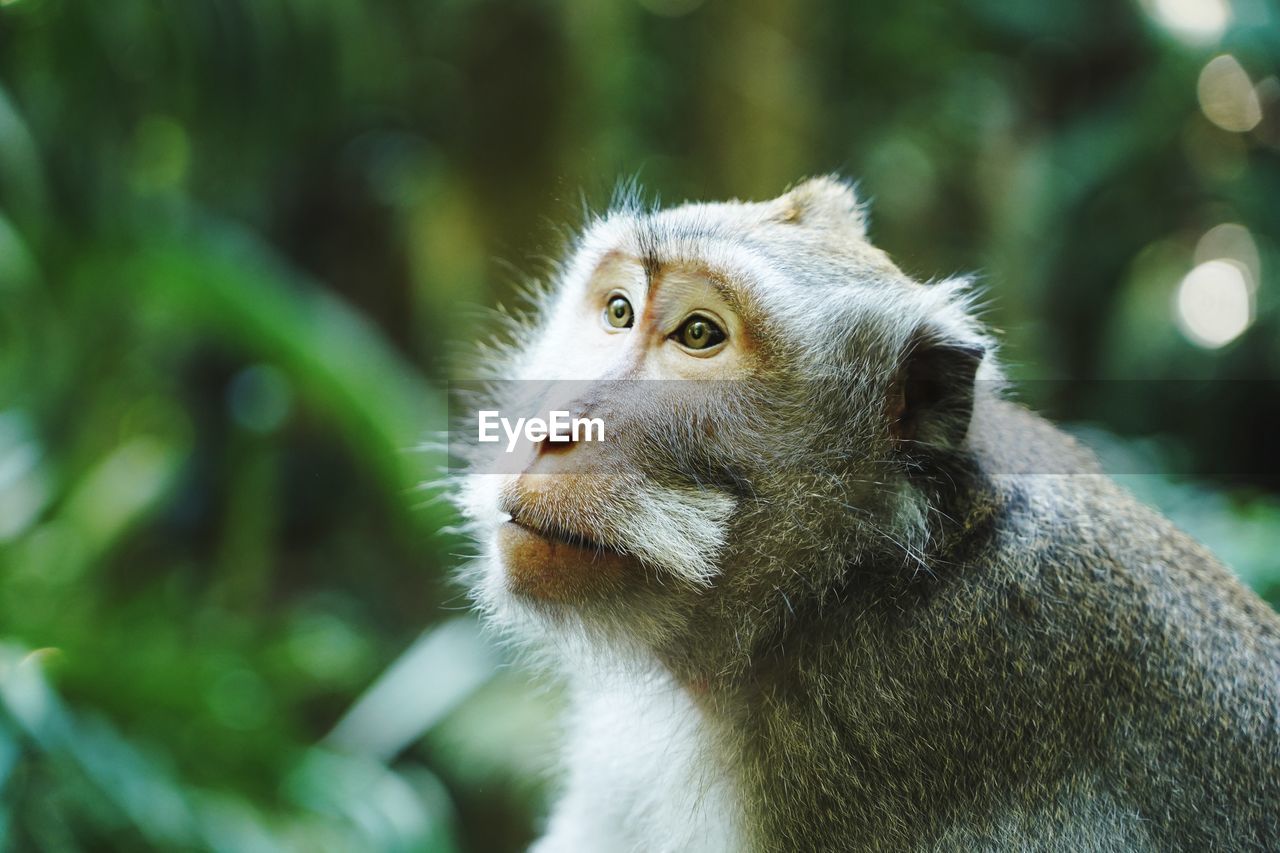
(239, 242)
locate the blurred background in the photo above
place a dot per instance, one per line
(240, 241)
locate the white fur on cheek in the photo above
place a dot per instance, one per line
(680, 530)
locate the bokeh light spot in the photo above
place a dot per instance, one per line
(1227, 97)
(259, 398)
(1192, 21)
(1214, 305)
(1232, 241)
(326, 647)
(161, 154)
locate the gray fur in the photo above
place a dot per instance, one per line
(923, 644)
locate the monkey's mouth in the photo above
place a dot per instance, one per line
(552, 563)
(557, 534)
(564, 537)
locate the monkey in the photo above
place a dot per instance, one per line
(828, 587)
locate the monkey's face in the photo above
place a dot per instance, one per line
(656, 357)
(742, 361)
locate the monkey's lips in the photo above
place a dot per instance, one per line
(560, 566)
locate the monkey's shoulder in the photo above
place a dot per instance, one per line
(1046, 520)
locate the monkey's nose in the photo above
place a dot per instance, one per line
(564, 434)
(553, 453)
(571, 450)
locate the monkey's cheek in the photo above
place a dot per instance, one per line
(559, 572)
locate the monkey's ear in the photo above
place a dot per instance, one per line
(827, 202)
(932, 396)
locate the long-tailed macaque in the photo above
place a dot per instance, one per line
(823, 588)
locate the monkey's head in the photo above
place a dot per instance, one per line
(779, 405)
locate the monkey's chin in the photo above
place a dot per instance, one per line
(548, 568)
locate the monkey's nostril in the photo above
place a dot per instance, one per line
(556, 445)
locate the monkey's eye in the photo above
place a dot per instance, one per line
(618, 312)
(699, 332)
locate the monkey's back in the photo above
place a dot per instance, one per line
(1167, 668)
